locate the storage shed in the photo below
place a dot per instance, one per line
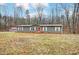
(55, 28)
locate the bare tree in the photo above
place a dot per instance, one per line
(74, 19)
(15, 16)
(56, 20)
(77, 17)
(28, 16)
(5, 16)
(0, 20)
(67, 15)
(40, 7)
(52, 15)
(20, 11)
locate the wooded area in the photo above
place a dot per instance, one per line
(69, 20)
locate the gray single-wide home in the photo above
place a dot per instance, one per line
(55, 28)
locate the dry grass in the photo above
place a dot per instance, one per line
(29, 43)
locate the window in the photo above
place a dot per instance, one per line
(18, 28)
(57, 29)
(33, 28)
(45, 28)
(30, 28)
(53, 29)
(22, 28)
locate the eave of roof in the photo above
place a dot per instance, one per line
(43, 25)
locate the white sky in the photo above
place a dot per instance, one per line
(39, 1)
(23, 5)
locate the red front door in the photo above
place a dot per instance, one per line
(38, 29)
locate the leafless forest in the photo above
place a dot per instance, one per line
(70, 18)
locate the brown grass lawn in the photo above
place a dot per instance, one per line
(31, 43)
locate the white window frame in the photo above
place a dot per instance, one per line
(45, 28)
(57, 29)
(21, 28)
(30, 28)
(34, 28)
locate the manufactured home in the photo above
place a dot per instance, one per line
(53, 28)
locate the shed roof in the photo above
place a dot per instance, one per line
(24, 25)
(42, 25)
(51, 25)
